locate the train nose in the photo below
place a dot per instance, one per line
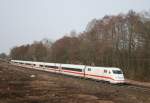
(119, 77)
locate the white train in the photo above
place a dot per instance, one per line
(110, 74)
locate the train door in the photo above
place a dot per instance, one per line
(90, 73)
(107, 75)
(59, 68)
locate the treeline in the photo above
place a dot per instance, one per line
(115, 41)
(3, 56)
(37, 51)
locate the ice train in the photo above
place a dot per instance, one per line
(110, 74)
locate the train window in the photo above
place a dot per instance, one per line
(117, 71)
(105, 71)
(50, 66)
(109, 72)
(73, 69)
(41, 65)
(27, 63)
(89, 69)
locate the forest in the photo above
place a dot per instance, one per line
(121, 40)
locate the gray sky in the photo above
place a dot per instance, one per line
(23, 21)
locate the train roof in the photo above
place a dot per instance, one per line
(67, 65)
(97, 67)
(73, 66)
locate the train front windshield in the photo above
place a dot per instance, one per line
(117, 72)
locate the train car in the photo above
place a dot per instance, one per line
(110, 74)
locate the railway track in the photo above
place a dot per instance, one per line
(131, 87)
(119, 86)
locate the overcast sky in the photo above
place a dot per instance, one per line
(23, 21)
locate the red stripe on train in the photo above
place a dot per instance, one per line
(88, 74)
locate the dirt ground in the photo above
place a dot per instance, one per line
(23, 85)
